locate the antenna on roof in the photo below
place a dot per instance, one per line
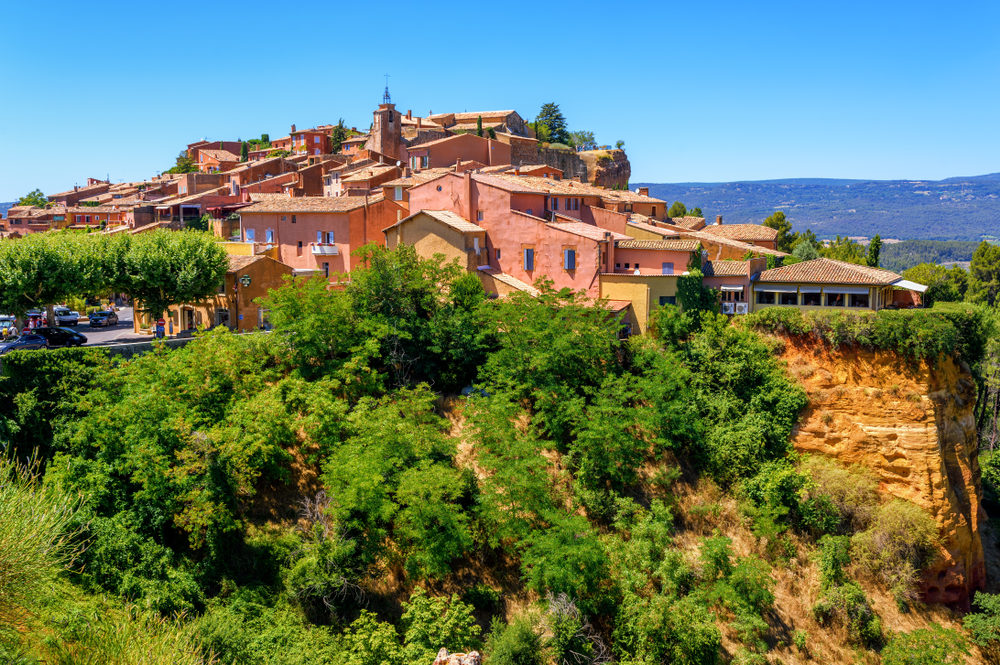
(385, 97)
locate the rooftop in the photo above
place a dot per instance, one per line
(829, 271)
(304, 204)
(672, 245)
(745, 232)
(726, 269)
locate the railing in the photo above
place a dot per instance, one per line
(324, 248)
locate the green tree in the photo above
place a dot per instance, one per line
(553, 120)
(844, 249)
(164, 268)
(583, 140)
(926, 646)
(984, 275)
(805, 251)
(479, 125)
(874, 249)
(183, 164)
(778, 222)
(696, 212)
(678, 209)
(619, 144)
(244, 151)
(943, 284)
(434, 622)
(34, 198)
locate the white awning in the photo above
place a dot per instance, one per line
(809, 289)
(777, 288)
(846, 289)
(727, 287)
(912, 286)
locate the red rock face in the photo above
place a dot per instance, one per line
(913, 425)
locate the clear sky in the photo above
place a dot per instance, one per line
(699, 91)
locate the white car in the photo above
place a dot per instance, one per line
(64, 316)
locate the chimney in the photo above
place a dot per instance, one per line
(644, 191)
(419, 121)
(409, 114)
(407, 172)
(293, 128)
(718, 220)
(458, 163)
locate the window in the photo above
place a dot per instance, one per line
(811, 300)
(249, 235)
(569, 259)
(479, 215)
(667, 268)
(653, 213)
(475, 245)
(569, 204)
(319, 237)
(299, 248)
(627, 265)
(529, 259)
(269, 235)
(329, 237)
(397, 194)
(326, 268)
(283, 218)
(668, 300)
(498, 253)
(315, 139)
(788, 299)
(423, 162)
(765, 297)
(859, 300)
(618, 266)
(86, 218)
(555, 203)
(835, 300)
(293, 219)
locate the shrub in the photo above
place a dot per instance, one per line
(567, 558)
(435, 622)
(984, 624)
(900, 542)
(716, 557)
(517, 643)
(368, 641)
(926, 646)
(834, 556)
(837, 499)
(572, 641)
(849, 605)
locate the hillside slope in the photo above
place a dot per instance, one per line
(951, 209)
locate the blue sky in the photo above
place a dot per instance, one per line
(699, 91)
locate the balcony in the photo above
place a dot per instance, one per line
(324, 248)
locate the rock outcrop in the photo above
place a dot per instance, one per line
(445, 658)
(607, 168)
(912, 424)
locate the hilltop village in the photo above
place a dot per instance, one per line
(478, 187)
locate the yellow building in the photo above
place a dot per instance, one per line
(443, 232)
(645, 292)
(248, 278)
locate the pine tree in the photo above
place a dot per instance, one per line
(874, 249)
(551, 117)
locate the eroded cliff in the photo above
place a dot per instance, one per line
(912, 424)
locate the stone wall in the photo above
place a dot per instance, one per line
(912, 425)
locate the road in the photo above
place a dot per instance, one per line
(120, 333)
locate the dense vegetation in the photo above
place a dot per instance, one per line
(322, 493)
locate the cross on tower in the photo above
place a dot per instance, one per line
(385, 97)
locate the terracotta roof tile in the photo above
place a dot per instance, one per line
(744, 232)
(675, 245)
(659, 230)
(306, 204)
(726, 269)
(221, 155)
(829, 271)
(586, 230)
(446, 217)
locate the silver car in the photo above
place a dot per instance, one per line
(64, 316)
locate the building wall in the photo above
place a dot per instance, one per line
(874, 300)
(651, 260)
(644, 292)
(428, 237)
(462, 147)
(610, 220)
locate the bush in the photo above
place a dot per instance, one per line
(849, 605)
(900, 542)
(984, 624)
(517, 643)
(435, 622)
(837, 499)
(926, 646)
(567, 558)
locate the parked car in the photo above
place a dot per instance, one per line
(65, 316)
(60, 337)
(26, 342)
(104, 317)
(7, 323)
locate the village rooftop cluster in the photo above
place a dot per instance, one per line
(477, 187)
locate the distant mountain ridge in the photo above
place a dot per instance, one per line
(4, 207)
(958, 208)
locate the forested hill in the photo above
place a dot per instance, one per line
(4, 207)
(964, 208)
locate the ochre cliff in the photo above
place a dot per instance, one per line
(912, 424)
(607, 168)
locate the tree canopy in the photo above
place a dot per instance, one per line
(34, 198)
(778, 222)
(550, 124)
